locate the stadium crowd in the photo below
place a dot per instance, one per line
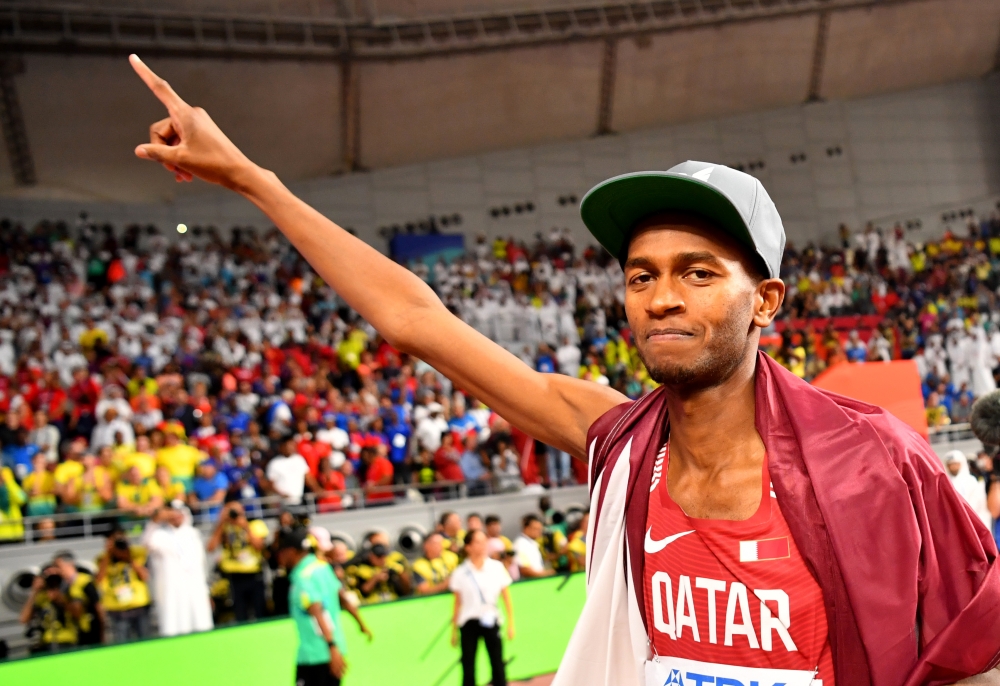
(135, 371)
(140, 378)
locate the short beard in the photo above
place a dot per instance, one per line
(725, 352)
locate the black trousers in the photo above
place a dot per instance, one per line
(471, 632)
(247, 591)
(315, 675)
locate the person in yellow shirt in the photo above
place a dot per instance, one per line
(140, 497)
(170, 489)
(50, 624)
(180, 458)
(242, 543)
(12, 497)
(67, 470)
(122, 579)
(576, 550)
(142, 456)
(92, 490)
(40, 487)
(432, 571)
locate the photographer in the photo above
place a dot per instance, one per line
(376, 577)
(242, 544)
(50, 625)
(122, 579)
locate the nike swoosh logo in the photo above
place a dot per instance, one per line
(652, 546)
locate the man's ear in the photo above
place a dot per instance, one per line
(770, 294)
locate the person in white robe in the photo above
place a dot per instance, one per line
(177, 560)
(983, 363)
(972, 490)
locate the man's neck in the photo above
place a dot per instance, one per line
(713, 429)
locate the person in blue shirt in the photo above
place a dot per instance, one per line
(471, 462)
(314, 605)
(399, 450)
(19, 455)
(208, 491)
(545, 362)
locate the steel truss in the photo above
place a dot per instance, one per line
(27, 27)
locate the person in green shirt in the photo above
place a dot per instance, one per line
(314, 604)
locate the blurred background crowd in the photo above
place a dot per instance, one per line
(135, 372)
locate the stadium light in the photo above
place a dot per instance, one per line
(182, 228)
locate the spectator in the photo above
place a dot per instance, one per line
(242, 542)
(527, 551)
(431, 572)
(447, 460)
(432, 428)
(122, 580)
(288, 474)
(40, 487)
(12, 497)
(972, 490)
(45, 437)
(178, 565)
(378, 476)
(137, 496)
(178, 457)
(92, 489)
(331, 485)
(506, 469)
(477, 476)
(208, 491)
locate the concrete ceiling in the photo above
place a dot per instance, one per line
(84, 113)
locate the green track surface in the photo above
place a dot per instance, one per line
(411, 646)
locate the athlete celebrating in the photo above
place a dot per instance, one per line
(768, 533)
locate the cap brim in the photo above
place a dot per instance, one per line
(612, 209)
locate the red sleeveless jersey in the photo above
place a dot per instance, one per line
(731, 593)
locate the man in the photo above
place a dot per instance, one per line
(701, 247)
(375, 578)
(122, 579)
(378, 476)
(83, 600)
(208, 491)
(450, 527)
(431, 572)
(179, 457)
(242, 544)
(972, 490)
(288, 473)
(496, 543)
(528, 551)
(178, 565)
(314, 603)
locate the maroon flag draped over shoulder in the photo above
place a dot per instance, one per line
(909, 574)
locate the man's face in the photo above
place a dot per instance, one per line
(533, 530)
(692, 301)
(433, 547)
(954, 467)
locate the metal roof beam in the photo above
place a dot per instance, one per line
(25, 27)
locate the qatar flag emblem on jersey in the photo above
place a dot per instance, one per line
(768, 549)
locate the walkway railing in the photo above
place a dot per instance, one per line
(99, 523)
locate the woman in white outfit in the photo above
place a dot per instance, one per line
(477, 584)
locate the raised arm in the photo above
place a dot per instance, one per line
(555, 409)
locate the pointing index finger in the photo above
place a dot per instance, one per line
(161, 89)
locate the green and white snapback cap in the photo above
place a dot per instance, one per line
(735, 202)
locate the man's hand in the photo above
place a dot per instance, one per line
(188, 143)
(454, 635)
(510, 631)
(337, 664)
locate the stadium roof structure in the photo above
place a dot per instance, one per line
(379, 83)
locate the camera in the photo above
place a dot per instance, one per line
(233, 514)
(53, 582)
(122, 545)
